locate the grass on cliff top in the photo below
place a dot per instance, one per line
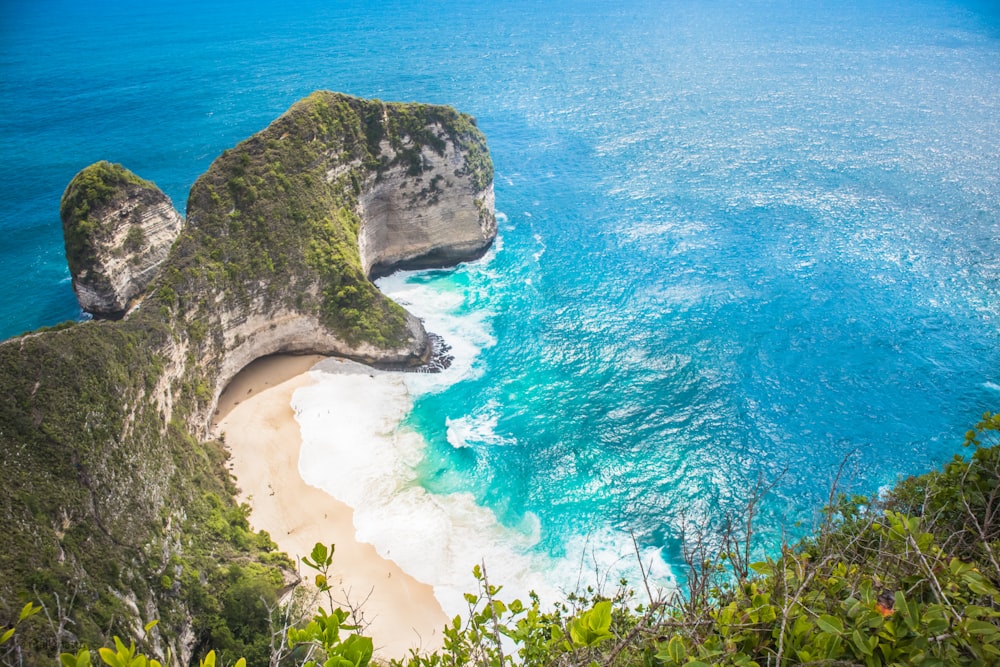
(102, 504)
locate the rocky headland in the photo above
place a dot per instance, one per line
(114, 494)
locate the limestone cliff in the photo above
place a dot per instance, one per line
(415, 214)
(118, 230)
(110, 486)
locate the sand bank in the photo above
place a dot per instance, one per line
(256, 416)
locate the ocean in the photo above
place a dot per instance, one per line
(742, 245)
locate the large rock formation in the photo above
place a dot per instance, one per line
(118, 230)
(109, 489)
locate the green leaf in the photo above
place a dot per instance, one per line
(762, 567)
(318, 555)
(937, 626)
(110, 657)
(676, 650)
(768, 613)
(208, 660)
(81, 659)
(725, 619)
(356, 651)
(6, 636)
(242, 662)
(830, 624)
(28, 610)
(904, 609)
(591, 628)
(801, 627)
(978, 584)
(981, 628)
(860, 643)
(125, 653)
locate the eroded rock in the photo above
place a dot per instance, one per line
(118, 230)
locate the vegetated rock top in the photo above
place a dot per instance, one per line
(109, 484)
(118, 229)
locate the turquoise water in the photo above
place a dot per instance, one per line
(740, 240)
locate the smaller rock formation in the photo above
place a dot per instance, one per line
(118, 230)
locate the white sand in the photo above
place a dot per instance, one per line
(256, 416)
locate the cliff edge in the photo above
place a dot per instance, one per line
(113, 492)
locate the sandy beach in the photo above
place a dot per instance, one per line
(256, 416)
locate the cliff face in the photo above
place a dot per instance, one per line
(103, 421)
(422, 220)
(302, 285)
(118, 230)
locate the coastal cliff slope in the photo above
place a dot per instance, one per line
(113, 496)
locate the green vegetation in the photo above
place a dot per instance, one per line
(104, 505)
(115, 510)
(281, 208)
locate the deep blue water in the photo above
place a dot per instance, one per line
(741, 239)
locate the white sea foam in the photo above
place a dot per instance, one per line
(355, 449)
(479, 428)
(441, 307)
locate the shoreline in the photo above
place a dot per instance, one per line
(262, 435)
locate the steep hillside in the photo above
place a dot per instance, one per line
(111, 496)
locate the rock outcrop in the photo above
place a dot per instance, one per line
(118, 230)
(109, 484)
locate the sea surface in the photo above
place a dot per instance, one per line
(742, 244)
